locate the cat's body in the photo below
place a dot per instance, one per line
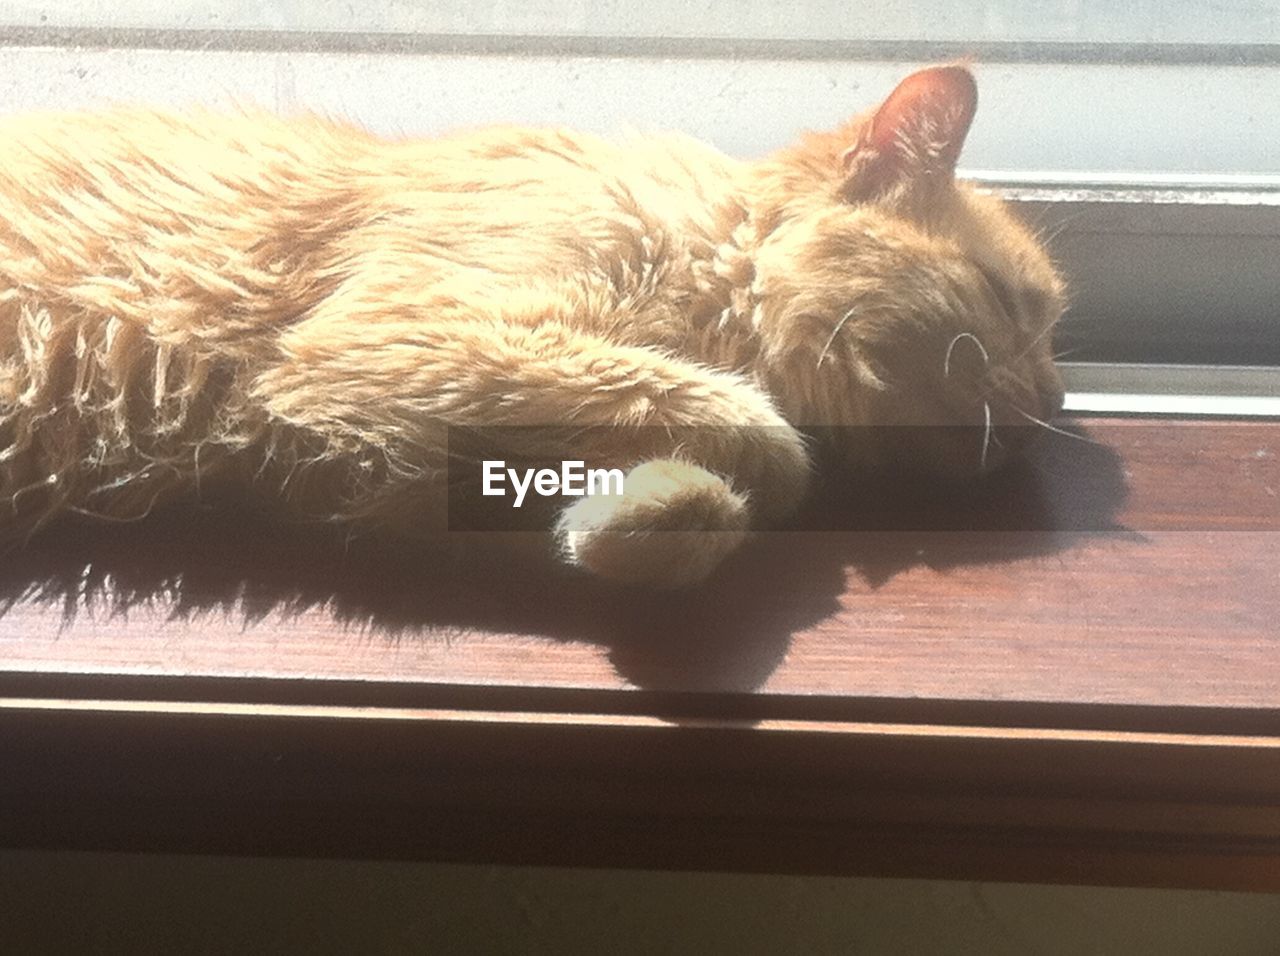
(300, 307)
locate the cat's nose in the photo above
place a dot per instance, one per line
(1051, 401)
(1050, 392)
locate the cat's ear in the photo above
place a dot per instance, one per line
(915, 135)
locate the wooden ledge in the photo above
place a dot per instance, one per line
(1071, 674)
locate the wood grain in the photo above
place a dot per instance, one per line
(1139, 571)
(1069, 673)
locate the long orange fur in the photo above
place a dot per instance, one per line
(300, 307)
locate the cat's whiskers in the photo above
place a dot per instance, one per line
(1048, 234)
(986, 435)
(1039, 337)
(834, 332)
(946, 362)
(1055, 430)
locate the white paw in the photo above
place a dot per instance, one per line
(672, 526)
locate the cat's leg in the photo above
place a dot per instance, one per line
(706, 455)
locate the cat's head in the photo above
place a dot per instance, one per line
(890, 295)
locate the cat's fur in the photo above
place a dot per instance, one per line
(301, 307)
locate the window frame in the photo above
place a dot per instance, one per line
(1202, 292)
(131, 745)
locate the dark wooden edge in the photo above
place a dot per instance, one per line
(800, 796)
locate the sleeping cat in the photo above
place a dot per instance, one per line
(333, 319)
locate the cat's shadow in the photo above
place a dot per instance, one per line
(727, 636)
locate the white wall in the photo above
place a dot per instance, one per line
(1048, 117)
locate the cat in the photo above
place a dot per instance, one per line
(300, 307)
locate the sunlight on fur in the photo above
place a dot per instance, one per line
(300, 308)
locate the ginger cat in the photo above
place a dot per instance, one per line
(299, 307)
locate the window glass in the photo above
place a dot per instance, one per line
(1243, 22)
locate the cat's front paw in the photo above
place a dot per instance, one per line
(671, 527)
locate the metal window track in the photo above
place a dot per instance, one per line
(1211, 390)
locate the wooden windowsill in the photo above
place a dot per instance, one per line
(1073, 676)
